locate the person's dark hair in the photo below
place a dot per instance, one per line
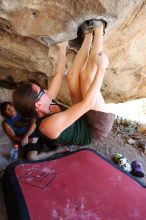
(23, 99)
(3, 107)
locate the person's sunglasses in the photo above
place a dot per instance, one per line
(40, 94)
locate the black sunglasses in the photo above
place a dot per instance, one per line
(40, 94)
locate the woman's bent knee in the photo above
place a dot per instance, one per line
(72, 75)
(86, 78)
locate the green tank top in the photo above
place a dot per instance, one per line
(78, 133)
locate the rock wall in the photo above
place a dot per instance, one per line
(29, 28)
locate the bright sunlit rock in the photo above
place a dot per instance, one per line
(133, 110)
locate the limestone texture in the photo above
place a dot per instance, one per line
(29, 30)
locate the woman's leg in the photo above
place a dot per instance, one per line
(88, 74)
(78, 65)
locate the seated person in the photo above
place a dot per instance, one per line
(20, 129)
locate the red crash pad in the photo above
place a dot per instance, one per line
(80, 186)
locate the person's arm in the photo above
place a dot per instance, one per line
(55, 85)
(11, 134)
(29, 132)
(55, 124)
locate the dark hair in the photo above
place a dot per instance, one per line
(23, 98)
(3, 107)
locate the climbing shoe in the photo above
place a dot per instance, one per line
(122, 162)
(137, 169)
(90, 25)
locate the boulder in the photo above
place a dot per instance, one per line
(29, 30)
